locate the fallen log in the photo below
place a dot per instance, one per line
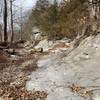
(4, 47)
(10, 51)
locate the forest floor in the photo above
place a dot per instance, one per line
(14, 72)
(58, 71)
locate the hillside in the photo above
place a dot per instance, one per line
(70, 73)
(50, 50)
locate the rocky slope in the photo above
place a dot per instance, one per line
(69, 73)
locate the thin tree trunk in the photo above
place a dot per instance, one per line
(12, 30)
(21, 23)
(5, 22)
(0, 33)
(0, 36)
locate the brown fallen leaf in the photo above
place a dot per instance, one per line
(81, 91)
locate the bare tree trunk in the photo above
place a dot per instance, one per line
(99, 5)
(5, 22)
(12, 30)
(21, 23)
(0, 36)
(0, 33)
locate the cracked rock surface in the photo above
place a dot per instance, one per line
(58, 71)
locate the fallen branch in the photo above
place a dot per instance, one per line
(4, 47)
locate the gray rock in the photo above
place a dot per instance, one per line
(56, 73)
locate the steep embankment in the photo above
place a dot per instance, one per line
(73, 75)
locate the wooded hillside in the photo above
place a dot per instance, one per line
(64, 19)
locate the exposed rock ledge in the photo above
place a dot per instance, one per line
(57, 71)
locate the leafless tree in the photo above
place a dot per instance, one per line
(12, 30)
(5, 22)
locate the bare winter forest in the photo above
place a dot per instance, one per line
(49, 49)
